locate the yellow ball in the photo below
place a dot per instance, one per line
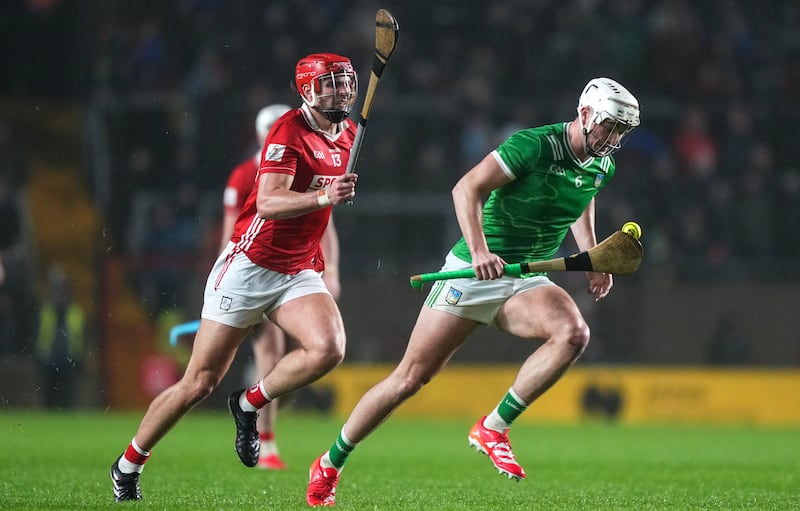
(633, 229)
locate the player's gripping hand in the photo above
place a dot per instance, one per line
(342, 189)
(487, 266)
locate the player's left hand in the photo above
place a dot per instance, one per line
(599, 284)
(343, 188)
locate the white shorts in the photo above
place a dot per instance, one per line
(474, 299)
(240, 293)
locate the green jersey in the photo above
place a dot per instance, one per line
(527, 218)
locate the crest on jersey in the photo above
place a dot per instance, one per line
(453, 296)
(598, 179)
(274, 152)
(225, 303)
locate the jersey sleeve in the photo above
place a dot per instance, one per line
(281, 153)
(519, 154)
(240, 183)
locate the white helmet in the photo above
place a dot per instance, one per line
(266, 118)
(608, 100)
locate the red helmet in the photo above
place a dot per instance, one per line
(311, 74)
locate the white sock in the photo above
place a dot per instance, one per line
(325, 461)
(245, 405)
(494, 422)
(126, 467)
(268, 447)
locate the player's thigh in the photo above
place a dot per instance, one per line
(214, 347)
(435, 338)
(539, 312)
(312, 320)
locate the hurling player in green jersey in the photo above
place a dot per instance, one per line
(540, 183)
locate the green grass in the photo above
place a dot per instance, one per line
(60, 461)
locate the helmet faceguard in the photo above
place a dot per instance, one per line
(614, 114)
(328, 84)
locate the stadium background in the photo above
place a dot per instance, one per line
(119, 123)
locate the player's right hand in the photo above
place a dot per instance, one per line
(343, 188)
(488, 266)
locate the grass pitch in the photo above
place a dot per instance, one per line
(52, 461)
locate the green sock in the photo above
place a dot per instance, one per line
(511, 407)
(340, 450)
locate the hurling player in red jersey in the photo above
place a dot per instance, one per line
(271, 267)
(269, 342)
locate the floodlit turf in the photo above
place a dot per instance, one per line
(61, 461)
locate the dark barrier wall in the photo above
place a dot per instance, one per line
(643, 323)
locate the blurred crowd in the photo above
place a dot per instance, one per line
(175, 85)
(16, 265)
(709, 174)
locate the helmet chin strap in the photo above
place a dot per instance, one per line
(586, 148)
(335, 116)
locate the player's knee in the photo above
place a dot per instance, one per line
(410, 387)
(328, 355)
(333, 357)
(574, 336)
(200, 387)
(411, 382)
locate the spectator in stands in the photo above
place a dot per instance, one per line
(61, 341)
(14, 286)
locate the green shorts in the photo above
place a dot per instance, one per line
(474, 299)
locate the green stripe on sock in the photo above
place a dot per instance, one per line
(339, 452)
(509, 408)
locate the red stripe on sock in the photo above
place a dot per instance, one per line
(255, 397)
(134, 457)
(267, 436)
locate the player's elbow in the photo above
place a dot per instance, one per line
(266, 211)
(263, 211)
(458, 190)
(467, 192)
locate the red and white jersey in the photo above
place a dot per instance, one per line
(295, 146)
(240, 183)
